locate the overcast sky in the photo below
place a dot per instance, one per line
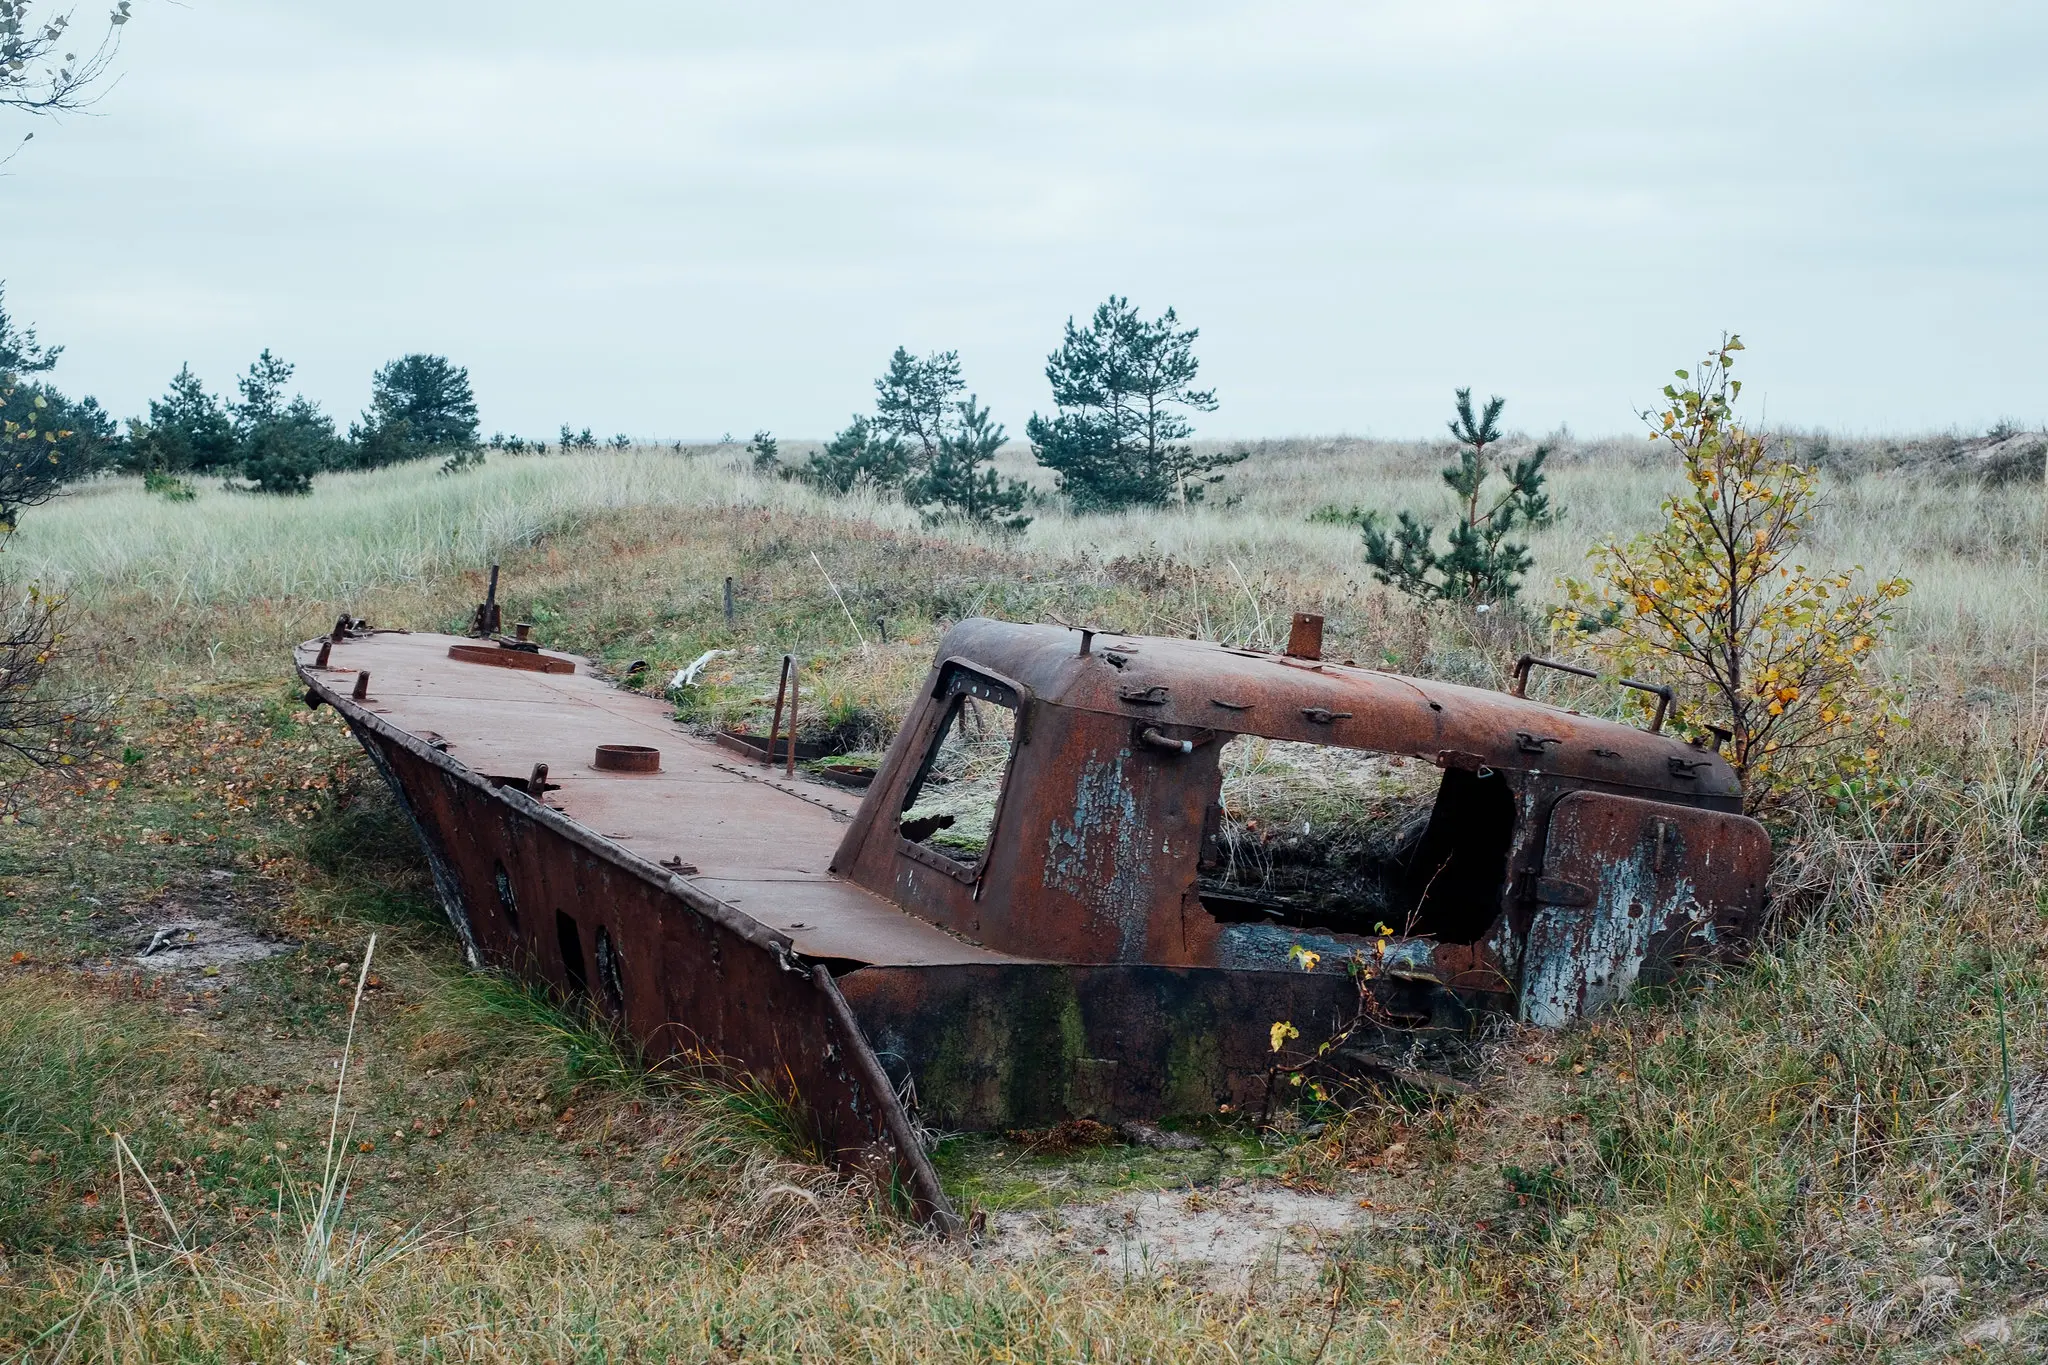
(681, 219)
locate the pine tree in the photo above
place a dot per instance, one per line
(282, 444)
(961, 481)
(1124, 387)
(188, 431)
(766, 451)
(1479, 563)
(916, 400)
(420, 406)
(20, 352)
(861, 455)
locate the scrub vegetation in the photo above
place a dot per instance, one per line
(1832, 1151)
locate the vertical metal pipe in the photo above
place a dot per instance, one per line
(775, 725)
(728, 601)
(789, 767)
(487, 617)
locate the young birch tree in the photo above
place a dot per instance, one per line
(1774, 657)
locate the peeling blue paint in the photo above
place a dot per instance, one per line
(1581, 958)
(1100, 858)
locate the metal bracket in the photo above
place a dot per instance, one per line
(1662, 692)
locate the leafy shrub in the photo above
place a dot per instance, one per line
(167, 486)
(1775, 658)
(50, 441)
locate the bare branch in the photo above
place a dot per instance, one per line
(41, 71)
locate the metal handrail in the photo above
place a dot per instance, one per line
(1661, 691)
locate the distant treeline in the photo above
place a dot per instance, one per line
(265, 438)
(1123, 390)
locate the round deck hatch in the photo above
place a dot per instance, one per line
(628, 758)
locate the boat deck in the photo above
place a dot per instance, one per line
(758, 841)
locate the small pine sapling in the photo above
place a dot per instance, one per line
(915, 400)
(961, 481)
(1479, 564)
(861, 456)
(766, 452)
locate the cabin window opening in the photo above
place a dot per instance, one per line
(611, 985)
(1314, 835)
(569, 939)
(1459, 871)
(507, 902)
(953, 803)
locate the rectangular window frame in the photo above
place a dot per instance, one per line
(957, 681)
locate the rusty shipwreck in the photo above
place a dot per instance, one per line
(1042, 906)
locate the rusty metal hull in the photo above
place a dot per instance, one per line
(1028, 1045)
(530, 890)
(1071, 967)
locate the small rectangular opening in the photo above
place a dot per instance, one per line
(1348, 840)
(951, 806)
(569, 939)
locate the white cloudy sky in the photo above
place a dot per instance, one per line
(680, 219)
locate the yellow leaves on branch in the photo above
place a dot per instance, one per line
(1766, 649)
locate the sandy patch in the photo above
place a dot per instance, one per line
(1226, 1235)
(169, 941)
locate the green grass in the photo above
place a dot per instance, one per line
(73, 1069)
(1789, 1160)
